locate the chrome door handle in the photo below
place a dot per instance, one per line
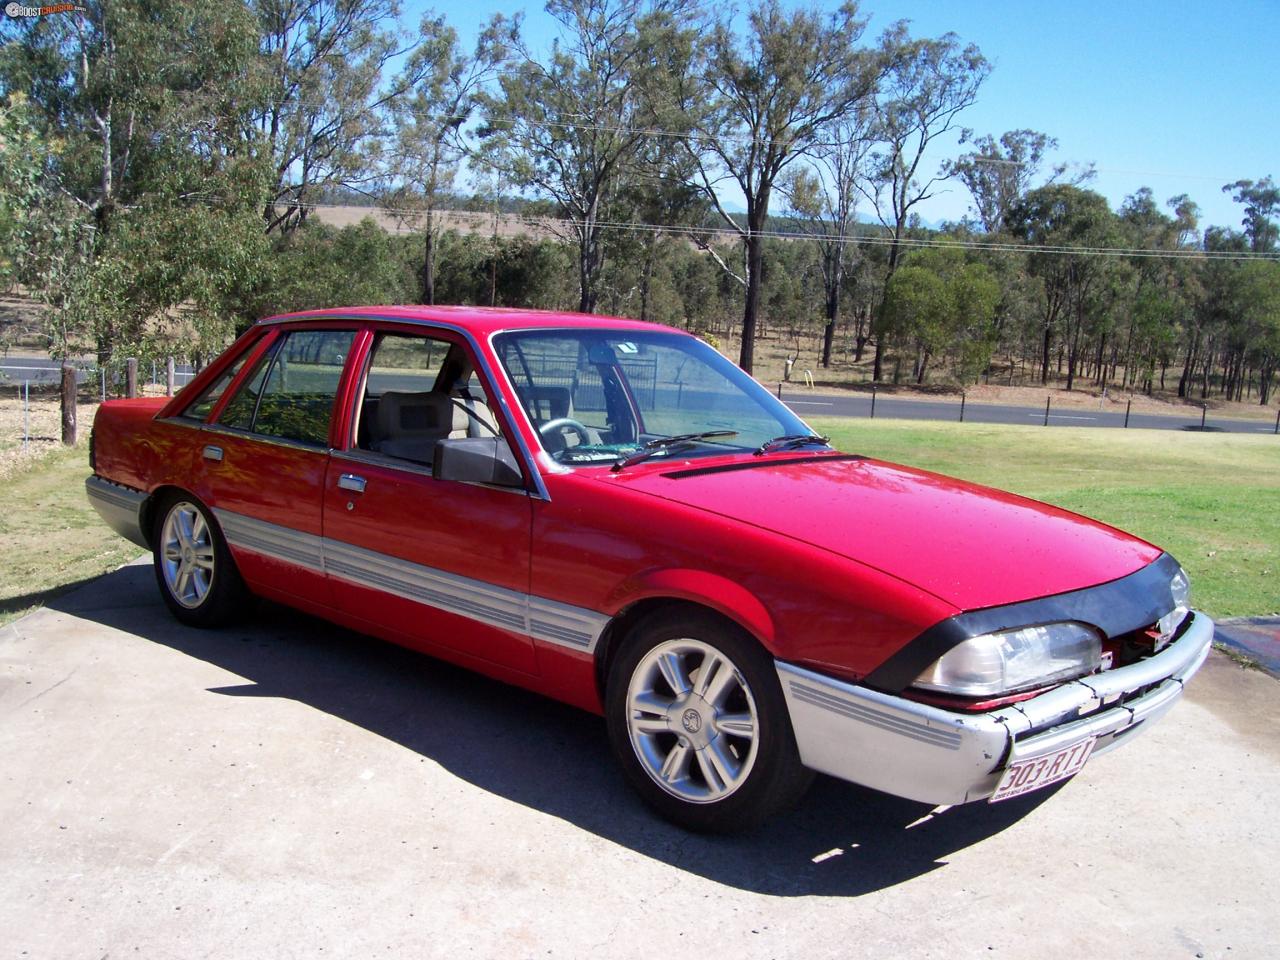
(213, 453)
(349, 481)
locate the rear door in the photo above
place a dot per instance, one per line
(437, 563)
(265, 458)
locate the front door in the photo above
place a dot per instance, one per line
(437, 563)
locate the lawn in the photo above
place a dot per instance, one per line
(50, 538)
(1212, 500)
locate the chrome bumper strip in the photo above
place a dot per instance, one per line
(941, 756)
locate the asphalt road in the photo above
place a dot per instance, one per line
(286, 789)
(36, 370)
(859, 405)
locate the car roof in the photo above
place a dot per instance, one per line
(480, 321)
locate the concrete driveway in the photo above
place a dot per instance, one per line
(286, 789)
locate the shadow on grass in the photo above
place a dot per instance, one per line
(842, 840)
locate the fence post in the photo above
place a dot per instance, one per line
(779, 389)
(1046, 410)
(1204, 411)
(131, 377)
(168, 377)
(1277, 429)
(873, 401)
(68, 405)
(1127, 407)
(962, 406)
(26, 414)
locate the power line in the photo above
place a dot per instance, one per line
(706, 234)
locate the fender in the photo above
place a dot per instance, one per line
(702, 587)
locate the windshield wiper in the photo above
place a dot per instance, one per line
(790, 442)
(666, 443)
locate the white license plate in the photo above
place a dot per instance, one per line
(1023, 776)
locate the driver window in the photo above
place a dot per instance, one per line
(419, 391)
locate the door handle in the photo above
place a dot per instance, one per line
(349, 481)
(213, 453)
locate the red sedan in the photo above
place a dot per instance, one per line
(612, 514)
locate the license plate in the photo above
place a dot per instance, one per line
(1023, 776)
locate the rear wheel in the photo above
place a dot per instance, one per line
(197, 577)
(698, 722)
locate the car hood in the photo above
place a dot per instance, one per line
(968, 545)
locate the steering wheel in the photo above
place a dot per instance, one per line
(554, 431)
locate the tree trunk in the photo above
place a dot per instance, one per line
(646, 277)
(1048, 347)
(68, 405)
(755, 273)
(429, 261)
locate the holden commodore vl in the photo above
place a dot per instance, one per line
(611, 513)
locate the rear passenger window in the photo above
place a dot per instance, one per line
(290, 395)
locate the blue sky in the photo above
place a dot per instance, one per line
(1179, 96)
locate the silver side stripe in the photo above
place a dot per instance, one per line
(273, 540)
(445, 591)
(560, 623)
(115, 495)
(947, 739)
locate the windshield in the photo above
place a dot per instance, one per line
(599, 395)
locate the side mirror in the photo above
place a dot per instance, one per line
(477, 460)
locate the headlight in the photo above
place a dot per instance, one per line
(1011, 660)
(1180, 587)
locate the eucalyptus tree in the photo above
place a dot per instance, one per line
(999, 173)
(941, 303)
(320, 126)
(442, 88)
(1261, 201)
(823, 198)
(571, 127)
(756, 102)
(925, 90)
(1074, 224)
(141, 105)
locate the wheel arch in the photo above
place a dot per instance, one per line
(160, 495)
(698, 591)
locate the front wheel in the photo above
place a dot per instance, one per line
(197, 577)
(698, 721)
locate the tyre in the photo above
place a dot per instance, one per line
(697, 719)
(194, 569)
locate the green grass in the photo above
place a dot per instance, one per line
(1212, 500)
(50, 538)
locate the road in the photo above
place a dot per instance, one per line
(859, 405)
(287, 789)
(37, 370)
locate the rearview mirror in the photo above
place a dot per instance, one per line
(477, 460)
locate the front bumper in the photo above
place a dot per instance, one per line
(940, 756)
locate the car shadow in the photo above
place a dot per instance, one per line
(842, 840)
